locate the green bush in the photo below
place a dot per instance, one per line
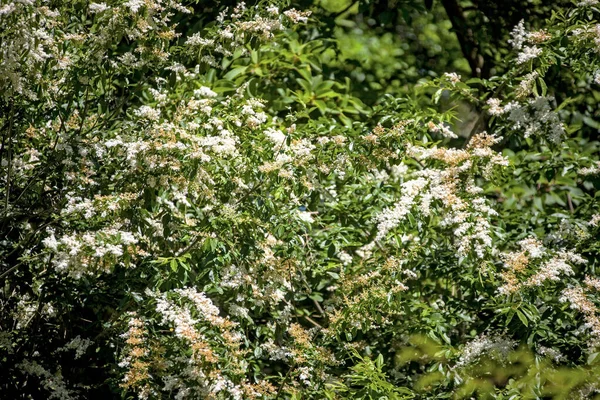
(240, 201)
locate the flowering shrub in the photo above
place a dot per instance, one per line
(213, 212)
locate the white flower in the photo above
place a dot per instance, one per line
(305, 216)
(98, 7)
(297, 16)
(594, 169)
(134, 5)
(79, 345)
(518, 36)
(495, 107)
(204, 92)
(148, 112)
(51, 242)
(452, 77)
(533, 247)
(197, 40)
(399, 170)
(442, 129)
(345, 258)
(7, 9)
(528, 53)
(494, 346)
(276, 137)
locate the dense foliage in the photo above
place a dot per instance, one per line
(299, 200)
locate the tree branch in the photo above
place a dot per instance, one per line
(468, 43)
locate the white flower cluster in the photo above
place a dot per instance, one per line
(536, 117)
(297, 16)
(204, 92)
(552, 265)
(78, 345)
(577, 298)
(495, 107)
(197, 363)
(28, 42)
(345, 258)
(54, 383)
(224, 144)
(443, 129)
(497, 348)
(453, 77)
(147, 112)
(594, 169)
(519, 38)
(305, 216)
(203, 305)
(25, 311)
(254, 118)
(466, 210)
(77, 254)
(276, 137)
(134, 5)
(98, 7)
(528, 53)
(554, 354)
(297, 153)
(552, 269)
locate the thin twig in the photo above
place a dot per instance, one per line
(11, 269)
(283, 383)
(9, 171)
(570, 201)
(312, 321)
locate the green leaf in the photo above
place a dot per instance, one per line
(522, 318)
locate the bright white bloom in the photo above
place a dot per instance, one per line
(453, 77)
(305, 216)
(345, 258)
(148, 112)
(399, 170)
(528, 53)
(204, 92)
(98, 7)
(518, 35)
(197, 40)
(442, 129)
(134, 5)
(276, 137)
(297, 16)
(594, 169)
(495, 107)
(7, 9)
(533, 247)
(51, 242)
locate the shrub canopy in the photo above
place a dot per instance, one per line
(299, 199)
